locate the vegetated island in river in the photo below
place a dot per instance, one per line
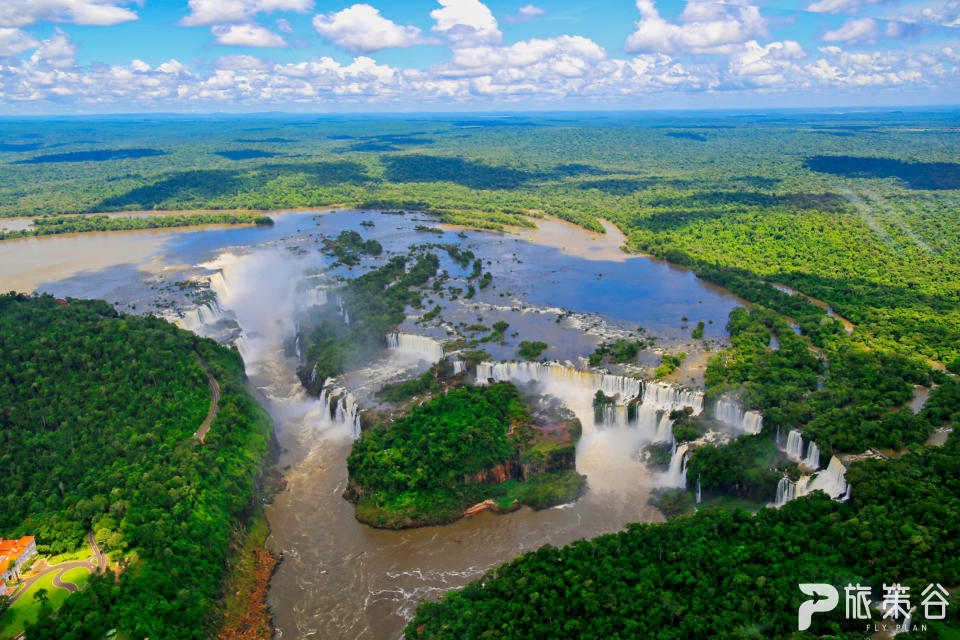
(84, 224)
(473, 445)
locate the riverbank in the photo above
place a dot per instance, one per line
(246, 615)
(59, 225)
(242, 611)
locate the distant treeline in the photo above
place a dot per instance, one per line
(82, 224)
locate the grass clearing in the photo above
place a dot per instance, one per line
(25, 609)
(78, 576)
(80, 553)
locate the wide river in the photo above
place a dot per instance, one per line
(338, 578)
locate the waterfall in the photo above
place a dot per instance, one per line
(459, 366)
(651, 415)
(676, 475)
(342, 408)
(699, 492)
(786, 491)
(342, 310)
(731, 414)
(752, 422)
(242, 343)
(812, 460)
(831, 481)
(794, 450)
(423, 347)
(621, 387)
(317, 297)
(205, 315)
(670, 398)
(794, 447)
(296, 346)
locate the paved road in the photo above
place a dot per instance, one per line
(102, 561)
(63, 567)
(214, 404)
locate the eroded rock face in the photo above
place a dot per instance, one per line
(496, 475)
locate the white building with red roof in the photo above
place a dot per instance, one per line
(13, 555)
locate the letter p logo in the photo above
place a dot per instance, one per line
(827, 602)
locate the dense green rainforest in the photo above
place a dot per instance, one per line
(96, 434)
(861, 211)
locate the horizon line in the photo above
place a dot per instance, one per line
(492, 112)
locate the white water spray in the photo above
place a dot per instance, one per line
(831, 481)
(676, 474)
(260, 291)
(732, 414)
(421, 346)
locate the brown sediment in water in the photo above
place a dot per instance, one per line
(574, 240)
(26, 263)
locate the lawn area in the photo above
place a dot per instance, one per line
(80, 553)
(26, 610)
(77, 576)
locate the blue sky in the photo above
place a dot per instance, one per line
(90, 56)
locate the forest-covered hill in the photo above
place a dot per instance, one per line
(96, 434)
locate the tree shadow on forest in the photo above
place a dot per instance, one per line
(468, 173)
(246, 154)
(793, 201)
(687, 210)
(199, 186)
(628, 186)
(474, 174)
(916, 175)
(687, 135)
(19, 146)
(266, 140)
(96, 155)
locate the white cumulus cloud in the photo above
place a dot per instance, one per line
(208, 12)
(466, 22)
(361, 29)
(246, 35)
(842, 6)
(57, 51)
(525, 14)
(705, 27)
(854, 30)
(23, 13)
(13, 41)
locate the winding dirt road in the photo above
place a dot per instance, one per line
(214, 402)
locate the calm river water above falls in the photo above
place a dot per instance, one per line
(340, 579)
